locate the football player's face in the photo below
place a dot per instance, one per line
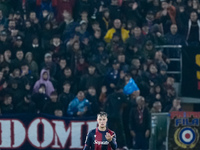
(102, 120)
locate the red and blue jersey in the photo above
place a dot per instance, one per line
(96, 140)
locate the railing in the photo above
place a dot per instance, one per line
(173, 53)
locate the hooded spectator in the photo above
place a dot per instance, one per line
(44, 79)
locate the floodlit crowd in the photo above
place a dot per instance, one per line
(73, 58)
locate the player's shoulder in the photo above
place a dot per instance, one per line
(92, 131)
(111, 132)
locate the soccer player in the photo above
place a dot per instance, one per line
(101, 138)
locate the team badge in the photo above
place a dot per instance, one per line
(186, 137)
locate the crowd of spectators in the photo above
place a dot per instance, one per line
(73, 58)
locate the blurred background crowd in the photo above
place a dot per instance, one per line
(74, 57)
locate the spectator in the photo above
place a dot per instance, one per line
(193, 29)
(157, 107)
(56, 49)
(136, 37)
(69, 77)
(114, 107)
(175, 106)
(62, 6)
(52, 105)
(112, 76)
(124, 34)
(7, 107)
(167, 15)
(44, 79)
(36, 49)
(90, 79)
(49, 64)
(79, 106)
(140, 124)
(92, 97)
(32, 64)
(103, 97)
(58, 113)
(173, 37)
(40, 98)
(18, 61)
(66, 96)
(26, 106)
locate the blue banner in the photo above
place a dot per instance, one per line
(41, 131)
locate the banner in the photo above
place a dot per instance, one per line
(184, 131)
(191, 72)
(40, 131)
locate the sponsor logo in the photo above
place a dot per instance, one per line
(101, 142)
(186, 137)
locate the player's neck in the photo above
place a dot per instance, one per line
(102, 129)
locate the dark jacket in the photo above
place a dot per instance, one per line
(134, 123)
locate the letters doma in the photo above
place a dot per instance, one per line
(56, 134)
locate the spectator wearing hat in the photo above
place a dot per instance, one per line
(36, 49)
(99, 53)
(26, 106)
(49, 64)
(124, 34)
(149, 50)
(83, 30)
(4, 41)
(57, 49)
(52, 105)
(112, 76)
(18, 44)
(44, 79)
